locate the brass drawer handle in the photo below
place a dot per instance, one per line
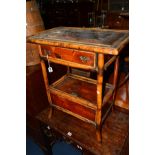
(84, 59)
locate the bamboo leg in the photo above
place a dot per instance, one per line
(99, 96)
(115, 80)
(45, 77)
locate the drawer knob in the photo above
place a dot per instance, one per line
(84, 59)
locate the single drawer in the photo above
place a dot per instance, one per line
(69, 55)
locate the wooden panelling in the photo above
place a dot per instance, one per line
(95, 40)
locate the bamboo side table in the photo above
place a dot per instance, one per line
(84, 48)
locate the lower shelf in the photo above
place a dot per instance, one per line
(77, 96)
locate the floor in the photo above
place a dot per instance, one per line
(59, 148)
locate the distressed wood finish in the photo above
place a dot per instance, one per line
(83, 48)
(88, 39)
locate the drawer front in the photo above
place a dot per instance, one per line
(73, 107)
(76, 56)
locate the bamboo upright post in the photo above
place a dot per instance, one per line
(99, 96)
(45, 77)
(115, 79)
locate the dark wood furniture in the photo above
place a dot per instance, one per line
(34, 24)
(118, 20)
(36, 101)
(84, 48)
(82, 135)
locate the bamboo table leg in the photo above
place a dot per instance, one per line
(45, 77)
(99, 96)
(115, 80)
